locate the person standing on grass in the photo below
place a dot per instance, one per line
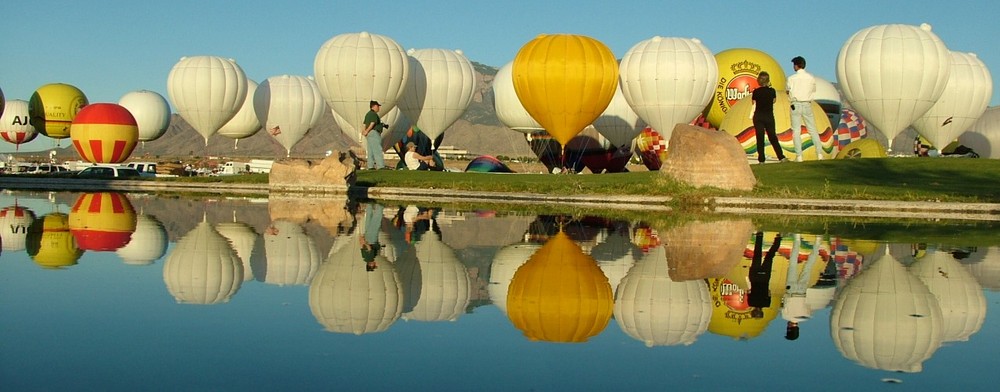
(801, 88)
(372, 133)
(762, 114)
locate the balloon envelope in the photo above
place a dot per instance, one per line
(244, 123)
(151, 112)
(15, 124)
(984, 135)
(738, 71)
(287, 106)
(104, 133)
(53, 107)
(965, 98)
(619, 123)
(207, 91)
(565, 82)
(509, 109)
(438, 90)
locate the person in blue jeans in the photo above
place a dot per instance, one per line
(373, 137)
(370, 246)
(801, 88)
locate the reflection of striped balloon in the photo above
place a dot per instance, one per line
(104, 133)
(102, 221)
(852, 127)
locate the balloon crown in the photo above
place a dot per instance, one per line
(745, 66)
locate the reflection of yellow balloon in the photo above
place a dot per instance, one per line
(560, 294)
(737, 123)
(731, 310)
(50, 243)
(738, 69)
(565, 82)
(52, 108)
(102, 221)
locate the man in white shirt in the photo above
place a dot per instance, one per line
(801, 88)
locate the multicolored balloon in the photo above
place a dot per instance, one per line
(15, 123)
(565, 82)
(104, 133)
(151, 112)
(738, 70)
(53, 107)
(738, 123)
(652, 148)
(102, 221)
(851, 127)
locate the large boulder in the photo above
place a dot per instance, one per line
(335, 172)
(705, 157)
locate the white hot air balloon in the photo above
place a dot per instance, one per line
(965, 98)
(15, 124)
(892, 74)
(244, 123)
(509, 109)
(984, 135)
(245, 241)
(203, 268)
(668, 81)
(963, 304)
(207, 91)
(287, 106)
(619, 123)
(505, 264)
(147, 244)
(14, 223)
(438, 90)
(355, 68)
(151, 112)
(445, 287)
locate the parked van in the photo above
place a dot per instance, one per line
(232, 168)
(145, 169)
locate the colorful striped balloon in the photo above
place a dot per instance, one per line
(102, 221)
(104, 133)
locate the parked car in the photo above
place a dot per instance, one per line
(108, 172)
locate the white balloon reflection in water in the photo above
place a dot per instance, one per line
(292, 258)
(505, 264)
(963, 305)
(614, 256)
(445, 287)
(148, 242)
(14, 223)
(245, 242)
(658, 311)
(886, 318)
(987, 269)
(345, 298)
(202, 268)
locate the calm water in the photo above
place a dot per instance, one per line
(132, 292)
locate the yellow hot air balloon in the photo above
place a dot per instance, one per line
(565, 82)
(738, 70)
(51, 244)
(560, 294)
(52, 108)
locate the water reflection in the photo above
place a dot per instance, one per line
(871, 304)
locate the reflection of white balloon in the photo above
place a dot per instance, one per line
(15, 124)
(355, 68)
(965, 98)
(244, 123)
(292, 257)
(505, 264)
(885, 318)
(202, 268)
(147, 244)
(14, 223)
(151, 112)
(445, 286)
(345, 298)
(658, 311)
(207, 91)
(987, 269)
(243, 239)
(892, 74)
(614, 257)
(287, 107)
(619, 123)
(439, 89)
(509, 109)
(668, 81)
(963, 305)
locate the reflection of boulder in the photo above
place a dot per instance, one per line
(332, 172)
(345, 298)
(885, 318)
(505, 264)
(148, 243)
(658, 311)
(292, 258)
(702, 250)
(329, 213)
(202, 268)
(445, 286)
(963, 305)
(703, 157)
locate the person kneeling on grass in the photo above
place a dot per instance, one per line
(415, 161)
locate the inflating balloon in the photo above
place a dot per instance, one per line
(565, 82)
(287, 106)
(207, 91)
(244, 123)
(892, 74)
(738, 70)
(151, 112)
(438, 90)
(965, 98)
(15, 123)
(104, 133)
(53, 107)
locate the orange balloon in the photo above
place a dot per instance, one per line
(565, 82)
(102, 221)
(560, 294)
(104, 133)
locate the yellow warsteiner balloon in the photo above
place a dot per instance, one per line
(565, 82)
(52, 108)
(738, 123)
(732, 314)
(560, 294)
(738, 69)
(50, 243)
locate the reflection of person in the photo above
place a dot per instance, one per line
(760, 274)
(372, 133)
(795, 309)
(415, 161)
(762, 114)
(801, 87)
(369, 239)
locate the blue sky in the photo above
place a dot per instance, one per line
(108, 48)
